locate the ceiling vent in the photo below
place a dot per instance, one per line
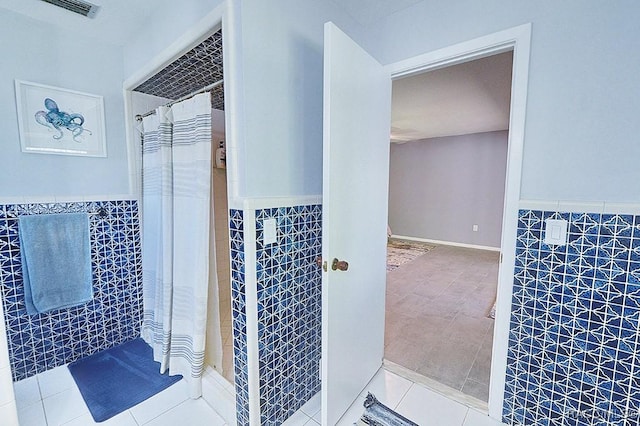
(80, 7)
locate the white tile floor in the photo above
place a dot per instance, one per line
(52, 398)
(413, 400)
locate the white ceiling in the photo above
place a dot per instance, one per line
(116, 22)
(467, 98)
(471, 97)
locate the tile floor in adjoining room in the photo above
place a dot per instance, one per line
(52, 398)
(437, 320)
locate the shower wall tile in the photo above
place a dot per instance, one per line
(574, 345)
(289, 310)
(44, 341)
(239, 316)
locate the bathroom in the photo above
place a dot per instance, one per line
(112, 184)
(277, 116)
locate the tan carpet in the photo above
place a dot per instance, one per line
(436, 317)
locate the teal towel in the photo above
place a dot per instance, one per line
(56, 260)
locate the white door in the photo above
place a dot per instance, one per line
(357, 102)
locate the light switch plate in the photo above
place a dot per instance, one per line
(270, 235)
(555, 232)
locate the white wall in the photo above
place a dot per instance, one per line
(439, 188)
(37, 52)
(582, 112)
(279, 73)
(169, 22)
(282, 53)
(8, 409)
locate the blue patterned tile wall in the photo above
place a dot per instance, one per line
(574, 352)
(43, 341)
(289, 310)
(239, 316)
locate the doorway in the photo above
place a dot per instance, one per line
(448, 161)
(517, 39)
(197, 68)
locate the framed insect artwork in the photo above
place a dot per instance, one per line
(60, 121)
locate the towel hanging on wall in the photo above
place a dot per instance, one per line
(56, 260)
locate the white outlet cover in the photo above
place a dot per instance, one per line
(555, 232)
(269, 232)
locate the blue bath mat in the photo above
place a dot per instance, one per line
(118, 378)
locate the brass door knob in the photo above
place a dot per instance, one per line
(341, 265)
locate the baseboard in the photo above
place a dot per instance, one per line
(445, 243)
(219, 394)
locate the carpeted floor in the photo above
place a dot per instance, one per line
(437, 320)
(400, 252)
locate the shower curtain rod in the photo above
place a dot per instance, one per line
(197, 92)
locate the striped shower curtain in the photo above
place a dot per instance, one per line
(176, 164)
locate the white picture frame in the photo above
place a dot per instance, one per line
(53, 120)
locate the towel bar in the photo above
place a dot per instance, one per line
(102, 213)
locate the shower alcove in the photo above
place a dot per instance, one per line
(200, 69)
